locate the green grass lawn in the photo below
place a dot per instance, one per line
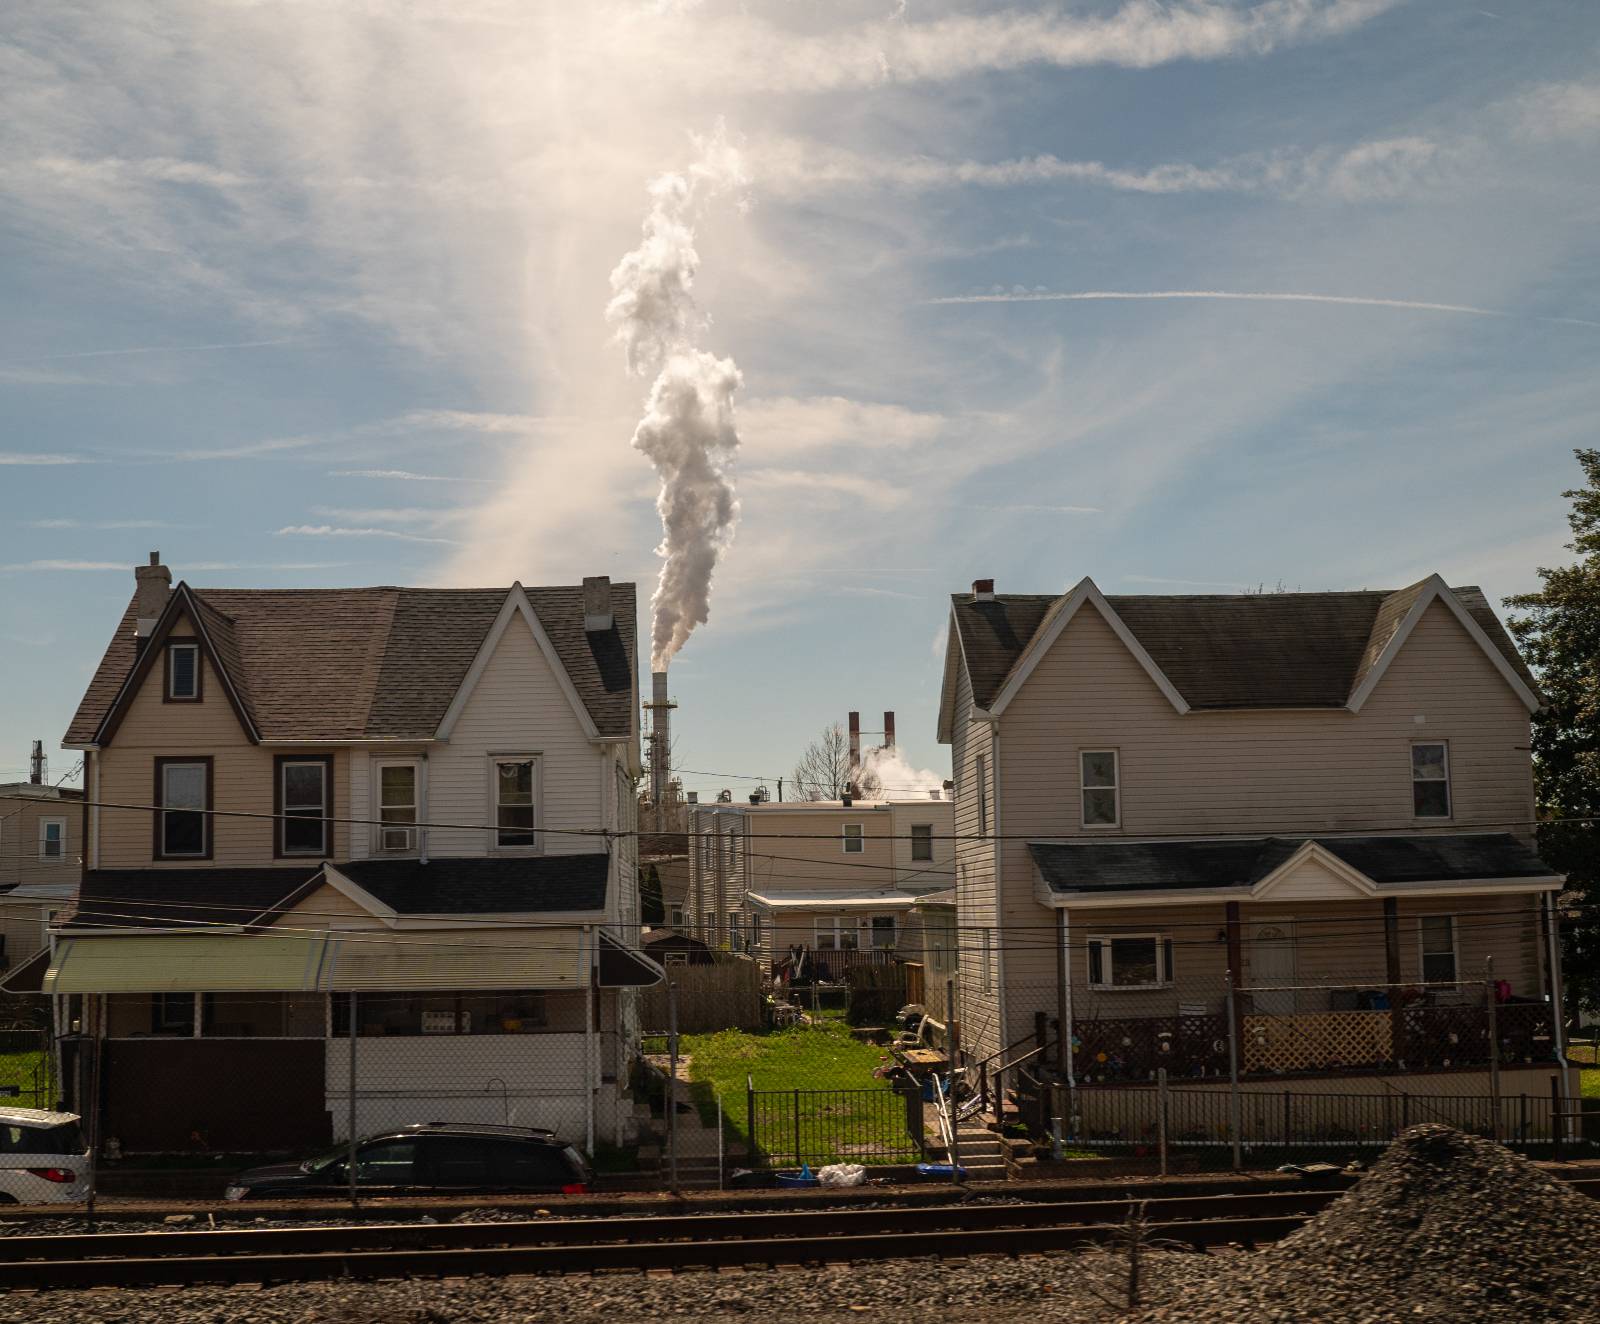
(843, 1112)
(1591, 1084)
(29, 1072)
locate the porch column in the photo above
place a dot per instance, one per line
(1063, 1020)
(1391, 956)
(1236, 967)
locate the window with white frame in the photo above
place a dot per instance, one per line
(183, 672)
(183, 828)
(854, 842)
(1098, 788)
(731, 849)
(836, 933)
(734, 940)
(1430, 779)
(516, 788)
(52, 838)
(675, 917)
(1437, 937)
(922, 841)
(303, 790)
(1134, 960)
(398, 798)
(981, 777)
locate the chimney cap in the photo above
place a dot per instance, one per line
(155, 558)
(597, 615)
(983, 590)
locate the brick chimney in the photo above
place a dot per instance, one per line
(888, 730)
(153, 586)
(597, 615)
(983, 590)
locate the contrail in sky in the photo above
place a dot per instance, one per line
(1244, 296)
(163, 349)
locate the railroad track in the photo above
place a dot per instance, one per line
(549, 1245)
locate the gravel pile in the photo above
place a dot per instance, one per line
(1446, 1226)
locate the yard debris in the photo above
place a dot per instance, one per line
(842, 1174)
(1446, 1226)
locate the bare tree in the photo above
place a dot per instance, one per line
(823, 771)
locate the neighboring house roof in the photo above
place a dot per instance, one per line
(824, 899)
(369, 663)
(181, 898)
(944, 897)
(34, 791)
(1266, 650)
(1099, 867)
(496, 885)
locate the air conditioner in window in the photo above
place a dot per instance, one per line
(397, 839)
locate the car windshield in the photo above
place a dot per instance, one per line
(66, 1138)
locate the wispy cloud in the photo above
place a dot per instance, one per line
(1030, 508)
(187, 567)
(867, 591)
(15, 566)
(338, 531)
(25, 458)
(432, 516)
(1243, 296)
(403, 475)
(156, 349)
(100, 524)
(1186, 583)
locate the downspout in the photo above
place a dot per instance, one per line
(93, 808)
(588, 1038)
(1557, 1027)
(999, 891)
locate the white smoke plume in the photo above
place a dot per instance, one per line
(687, 429)
(886, 767)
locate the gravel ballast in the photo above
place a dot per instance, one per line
(1446, 1226)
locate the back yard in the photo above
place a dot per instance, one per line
(815, 1099)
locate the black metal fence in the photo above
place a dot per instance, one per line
(787, 1128)
(27, 1069)
(1288, 1121)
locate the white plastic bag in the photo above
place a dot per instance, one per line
(842, 1174)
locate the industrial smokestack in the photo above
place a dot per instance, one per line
(687, 429)
(888, 730)
(660, 741)
(36, 764)
(855, 749)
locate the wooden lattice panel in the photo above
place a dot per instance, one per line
(1317, 1042)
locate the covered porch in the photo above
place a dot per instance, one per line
(1283, 959)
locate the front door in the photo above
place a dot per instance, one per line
(1271, 967)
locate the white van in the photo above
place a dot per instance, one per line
(43, 1158)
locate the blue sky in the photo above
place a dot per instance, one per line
(313, 294)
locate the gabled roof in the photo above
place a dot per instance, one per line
(1268, 650)
(367, 663)
(182, 898)
(1087, 869)
(479, 885)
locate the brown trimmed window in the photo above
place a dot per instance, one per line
(304, 803)
(182, 671)
(183, 825)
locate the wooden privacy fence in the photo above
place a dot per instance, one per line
(723, 996)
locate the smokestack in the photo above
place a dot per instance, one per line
(983, 590)
(660, 741)
(888, 730)
(36, 764)
(597, 616)
(855, 748)
(152, 588)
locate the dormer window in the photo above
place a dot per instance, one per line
(183, 672)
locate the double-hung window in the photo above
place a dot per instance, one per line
(882, 932)
(52, 838)
(922, 841)
(854, 843)
(1099, 788)
(182, 671)
(1137, 960)
(1437, 934)
(397, 807)
(304, 791)
(183, 792)
(1430, 780)
(516, 784)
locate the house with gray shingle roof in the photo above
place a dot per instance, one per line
(392, 822)
(1288, 834)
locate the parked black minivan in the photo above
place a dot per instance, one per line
(430, 1158)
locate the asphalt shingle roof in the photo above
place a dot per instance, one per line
(485, 886)
(183, 898)
(1143, 866)
(1267, 650)
(376, 663)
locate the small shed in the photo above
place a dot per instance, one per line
(670, 948)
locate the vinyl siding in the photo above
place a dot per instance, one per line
(242, 779)
(19, 842)
(517, 707)
(977, 1010)
(1234, 772)
(924, 875)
